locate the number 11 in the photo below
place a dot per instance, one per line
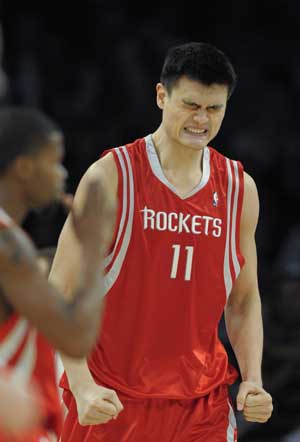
(188, 264)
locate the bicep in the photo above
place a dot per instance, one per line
(247, 283)
(65, 269)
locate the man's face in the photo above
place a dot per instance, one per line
(192, 113)
(48, 176)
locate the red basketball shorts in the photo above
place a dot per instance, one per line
(206, 419)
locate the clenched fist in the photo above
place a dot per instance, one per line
(255, 402)
(97, 405)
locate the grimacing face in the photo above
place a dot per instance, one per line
(192, 113)
(48, 175)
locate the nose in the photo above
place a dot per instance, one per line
(201, 116)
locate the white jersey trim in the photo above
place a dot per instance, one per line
(231, 424)
(230, 246)
(11, 343)
(113, 273)
(158, 172)
(10, 346)
(109, 258)
(5, 218)
(236, 264)
(26, 363)
(227, 273)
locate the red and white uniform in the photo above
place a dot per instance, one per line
(28, 357)
(169, 274)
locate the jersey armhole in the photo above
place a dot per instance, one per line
(119, 197)
(239, 213)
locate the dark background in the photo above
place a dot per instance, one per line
(93, 67)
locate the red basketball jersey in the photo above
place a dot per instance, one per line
(170, 271)
(28, 357)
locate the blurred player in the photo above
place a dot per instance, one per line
(20, 406)
(183, 250)
(32, 176)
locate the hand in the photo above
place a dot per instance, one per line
(93, 224)
(255, 402)
(97, 405)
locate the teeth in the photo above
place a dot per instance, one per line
(196, 131)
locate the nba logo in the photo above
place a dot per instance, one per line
(215, 199)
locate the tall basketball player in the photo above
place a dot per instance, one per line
(31, 176)
(183, 251)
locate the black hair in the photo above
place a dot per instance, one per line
(23, 131)
(198, 61)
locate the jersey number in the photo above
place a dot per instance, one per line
(188, 264)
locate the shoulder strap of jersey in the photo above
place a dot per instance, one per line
(5, 220)
(233, 259)
(115, 259)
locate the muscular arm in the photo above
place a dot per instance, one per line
(70, 325)
(244, 319)
(95, 404)
(243, 310)
(65, 271)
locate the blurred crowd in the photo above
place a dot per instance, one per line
(94, 70)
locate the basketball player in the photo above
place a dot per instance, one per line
(32, 176)
(183, 250)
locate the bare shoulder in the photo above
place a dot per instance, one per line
(250, 210)
(249, 183)
(104, 171)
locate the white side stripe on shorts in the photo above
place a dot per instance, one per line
(231, 424)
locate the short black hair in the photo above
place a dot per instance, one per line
(23, 131)
(198, 61)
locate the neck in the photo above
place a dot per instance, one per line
(12, 201)
(176, 157)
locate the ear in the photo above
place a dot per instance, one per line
(160, 95)
(23, 167)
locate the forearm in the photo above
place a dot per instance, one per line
(77, 372)
(84, 295)
(81, 302)
(72, 327)
(84, 314)
(245, 331)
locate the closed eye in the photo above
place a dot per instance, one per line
(215, 107)
(191, 104)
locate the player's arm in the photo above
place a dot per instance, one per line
(95, 404)
(243, 315)
(71, 326)
(243, 310)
